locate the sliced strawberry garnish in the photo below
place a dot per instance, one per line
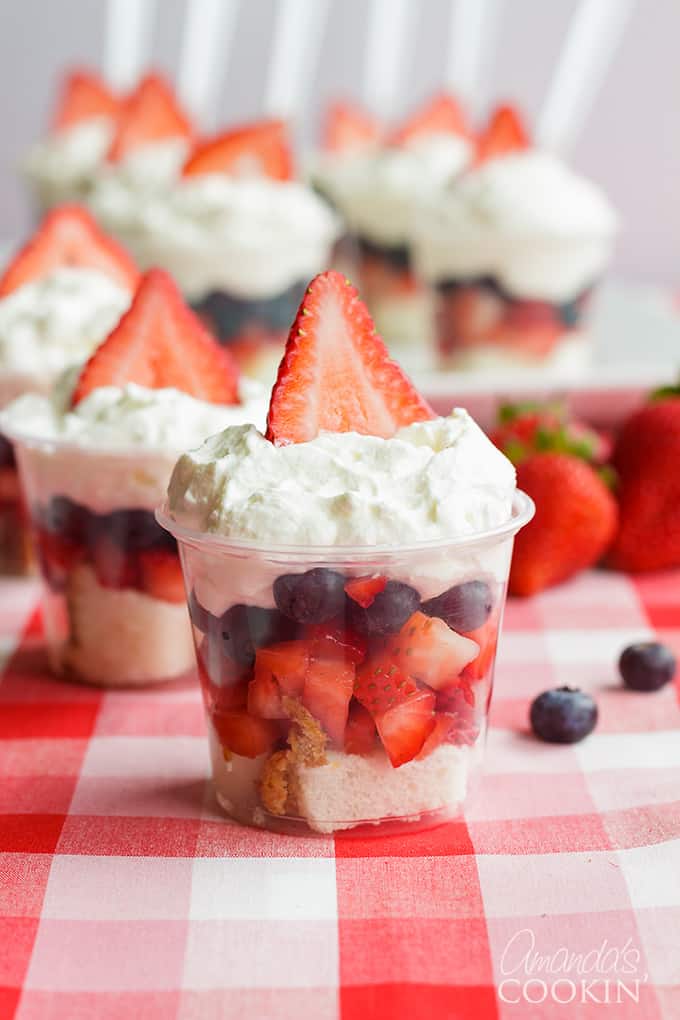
(69, 237)
(429, 651)
(504, 133)
(349, 128)
(280, 670)
(261, 149)
(161, 574)
(159, 343)
(245, 734)
(149, 114)
(83, 95)
(363, 590)
(403, 712)
(360, 733)
(441, 115)
(336, 373)
(326, 695)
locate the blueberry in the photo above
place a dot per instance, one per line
(68, 519)
(563, 716)
(201, 617)
(134, 530)
(244, 629)
(646, 666)
(464, 607)
(388, 612)
(313, 597)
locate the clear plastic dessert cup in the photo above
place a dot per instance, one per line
(346, 688)
(114, 606)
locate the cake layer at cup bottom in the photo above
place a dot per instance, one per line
(117, 637)
(349, 790)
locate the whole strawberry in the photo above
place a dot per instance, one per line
(530, 427)
(575, 521)
(647, 458)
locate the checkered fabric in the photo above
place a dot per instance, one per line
(124, 894)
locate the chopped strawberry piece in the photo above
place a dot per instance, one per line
(360, 732)
(113, 565)
(159, 343)
(326, 695)
(504, 133)
(336, 373)
(279, 670)
(486, 637)
(441, 115)
(244, 734)
(68, 236)
(429, 651)
(449, 728)
(83, 95)
(348, 128)
(150, 114)
(363, 590)
(403, 712)
(261, 149)
(161, 574)
(334, 640)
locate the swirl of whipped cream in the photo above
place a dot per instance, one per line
(435, 479)
(55, 320)
(379, 193)
(63, 165)
(541, 230)
(253, 238)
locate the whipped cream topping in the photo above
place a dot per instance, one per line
(63, 165)
(541, 230)
(379, 193)
(433, 480)
(250, 237)
(57, 319)
(129, 416)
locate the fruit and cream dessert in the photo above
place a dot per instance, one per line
(140, 139)
(238, 234)
(59, 297)
(514, 249)
(95, 457)
(377, 182)
(346, 574)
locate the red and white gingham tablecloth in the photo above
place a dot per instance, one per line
(124, 894)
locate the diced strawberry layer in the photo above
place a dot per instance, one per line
(363, 590)
(504, 133)
(83, 96)
(279, 670)
(429, 651)
(261, 149)
(161, 575)
(441, 115)
(486, 637)
(326, 695)
(159, 343)
(244, 734)
(113, 565)
(69, 237)
(404, 728)
(349, 129)
(336, 373)
(360, 733)
(150, 114)
(335, 640)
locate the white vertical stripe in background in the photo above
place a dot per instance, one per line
(206, 46)
(298, 34)
(387, 33)
(471, 34)
(594, 32)
(128, 40)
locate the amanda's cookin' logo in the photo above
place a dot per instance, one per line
(607, 974)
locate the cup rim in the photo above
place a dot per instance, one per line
(523, 509)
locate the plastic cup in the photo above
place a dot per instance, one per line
(114, 604)
(283, 650)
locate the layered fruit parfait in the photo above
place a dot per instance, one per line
(239, 236)
(346, 577)
(95, 457)
(514, 249)
(140, 139)
(59, 297)
(378, 191)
